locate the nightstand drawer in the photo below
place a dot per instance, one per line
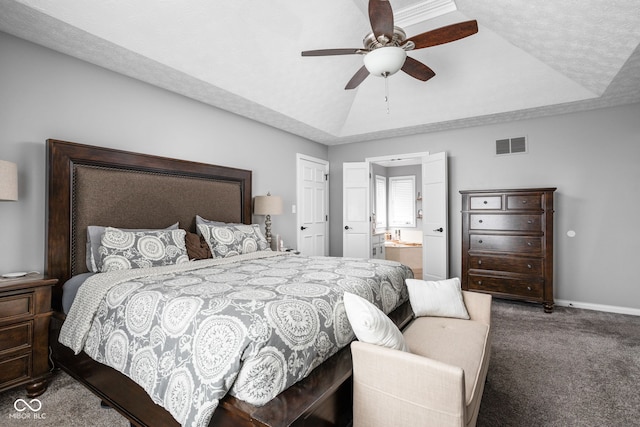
(15, 306)
(15, 370)
(15, 337)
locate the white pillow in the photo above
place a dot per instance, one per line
(439, 299)
(371, 325)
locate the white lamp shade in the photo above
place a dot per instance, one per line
(267, 205)
(8, 181)
(385, 61)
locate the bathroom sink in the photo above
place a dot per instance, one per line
(401, 244)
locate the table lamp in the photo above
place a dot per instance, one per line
(267, 205)
(8, 181)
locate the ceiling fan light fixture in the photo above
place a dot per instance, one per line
(385, 61)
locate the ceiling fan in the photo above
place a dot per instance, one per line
(385, 48)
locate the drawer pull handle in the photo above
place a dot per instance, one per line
(524, 202)
(529, 266)
(479, 262)
(528, 288)
(529, 222)
(479, 282)
(480, 221)
(529, 244)
(485, 202)
(479, 241)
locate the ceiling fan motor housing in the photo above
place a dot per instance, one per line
(370, 41)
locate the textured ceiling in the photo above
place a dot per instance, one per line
(529, 59)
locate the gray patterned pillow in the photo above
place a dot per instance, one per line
(94, 236)
(227, 240)
(123, 250)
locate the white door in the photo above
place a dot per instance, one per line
(435, 250)
(356, 224)
(313, 199)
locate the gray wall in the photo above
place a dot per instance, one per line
(44, 94)
(592, 157)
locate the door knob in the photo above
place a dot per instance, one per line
(302, 227)
(439, 229)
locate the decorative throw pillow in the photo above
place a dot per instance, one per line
(227, 240)
(371, 325)
(123, 250)
(438, 299)
(197, 248)
(94, 234)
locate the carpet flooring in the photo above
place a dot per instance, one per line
(573, 367)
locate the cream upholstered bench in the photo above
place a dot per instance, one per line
(438, 381)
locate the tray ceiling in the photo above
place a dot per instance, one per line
(529, 59)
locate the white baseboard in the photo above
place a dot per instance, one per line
(599, 307)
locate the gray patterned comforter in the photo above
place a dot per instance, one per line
(251, 326)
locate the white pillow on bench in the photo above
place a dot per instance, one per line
(437, 299)
(371, 325)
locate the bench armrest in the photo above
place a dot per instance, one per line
(391, 387)
(478, 306)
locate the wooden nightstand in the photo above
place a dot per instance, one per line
(25, 310)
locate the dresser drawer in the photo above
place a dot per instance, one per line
(517, 244)
(15, 370)
(529, 266)
(15, 306)
(508, 286)
(505, 222)
(17, 336)
(485, 202)
(524, 201)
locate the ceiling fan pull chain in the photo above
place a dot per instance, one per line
(386, 92)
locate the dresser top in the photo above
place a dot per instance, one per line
(513, 190)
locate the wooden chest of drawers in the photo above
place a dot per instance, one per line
(507, 243)
(25, 310)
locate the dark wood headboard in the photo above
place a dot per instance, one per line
(89, 185)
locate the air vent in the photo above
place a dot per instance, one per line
(511, 145)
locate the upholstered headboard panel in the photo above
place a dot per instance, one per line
(89, 185)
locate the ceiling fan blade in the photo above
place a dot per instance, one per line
(357, 78)
(444, 35)
(417, 69)
(381, 18)
(326, 52)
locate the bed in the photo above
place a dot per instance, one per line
(88, 185)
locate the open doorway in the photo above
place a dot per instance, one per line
(415, 232)
(396, 206)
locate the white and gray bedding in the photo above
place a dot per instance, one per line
(250, 325)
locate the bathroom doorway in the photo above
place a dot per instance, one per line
(402, 238)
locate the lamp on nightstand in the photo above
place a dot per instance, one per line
(8, 181)
(267, 205)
